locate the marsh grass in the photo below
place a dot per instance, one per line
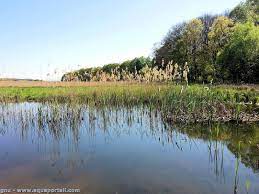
(194, 102)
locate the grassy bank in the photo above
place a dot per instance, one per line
(178, 103)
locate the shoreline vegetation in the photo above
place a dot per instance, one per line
(177, 103)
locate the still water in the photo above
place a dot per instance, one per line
(123, 151)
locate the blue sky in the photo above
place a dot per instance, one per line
(41, 37)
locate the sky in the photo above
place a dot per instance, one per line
(42, 39)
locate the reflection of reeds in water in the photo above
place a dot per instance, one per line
(53, 127)
(238, 159)
(52, 122)
(216, 152)
(58, 121)
(248, 185)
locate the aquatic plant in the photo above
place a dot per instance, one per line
(248, 185)
(177, 103)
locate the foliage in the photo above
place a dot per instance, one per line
(109, 72)
(246, 11)
(240, 58)
(219, 35)
(201, 42)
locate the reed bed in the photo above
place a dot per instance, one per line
(176, 102)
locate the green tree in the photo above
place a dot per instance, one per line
(176, 47)
(219, 35)
(246, 11)
(192, 44)
(239, 61)
(110, 67)
(135, 64)
(171, 47)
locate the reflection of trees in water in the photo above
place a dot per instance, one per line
(64, 128)
(230, 135)
(215, 144)
(241, 140)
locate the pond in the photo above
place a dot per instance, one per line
(123, 150)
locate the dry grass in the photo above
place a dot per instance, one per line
(241, 87)
(25, 83)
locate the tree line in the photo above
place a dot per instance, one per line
(217, 48)
(220, 48)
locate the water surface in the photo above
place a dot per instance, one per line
(123, 150)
